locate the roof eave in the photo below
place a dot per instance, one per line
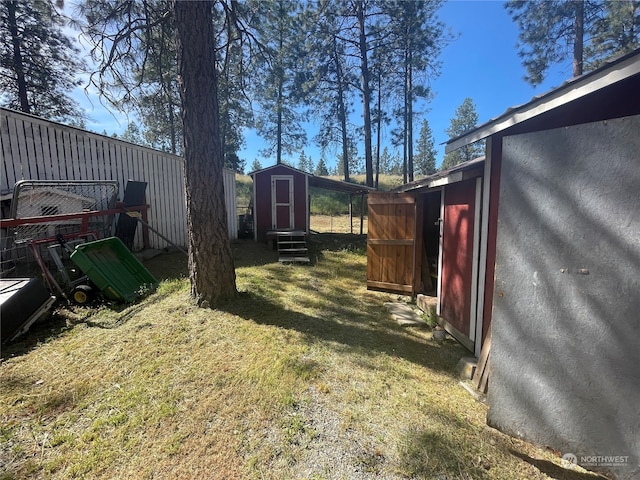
(574, 89)
(445, 177)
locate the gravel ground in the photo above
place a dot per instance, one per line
(322, 448)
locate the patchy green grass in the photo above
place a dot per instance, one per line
(164, 389)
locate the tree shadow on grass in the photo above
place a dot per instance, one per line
(554, 471)
(65, 316)
(446, 447)
(428, 454)
(44, 330)
(363, 333)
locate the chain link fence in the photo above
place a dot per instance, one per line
(58, 205)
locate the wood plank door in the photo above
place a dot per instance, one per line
(457, 270)
(391, 238)
(282, 205)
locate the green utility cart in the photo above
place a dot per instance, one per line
(113, 269)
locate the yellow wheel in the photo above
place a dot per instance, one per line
(82, 294)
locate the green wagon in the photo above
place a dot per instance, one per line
(113, 269)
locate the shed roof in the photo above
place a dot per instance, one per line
(278, 165)
(338, 186)
(615, 85)
(443, 177)
(323, 182)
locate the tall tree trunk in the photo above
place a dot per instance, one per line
(172, 125)
(578, 44)
(280, 77)
(378, 129)
(166, 91)
(279, 120)
(17, 57)
(366, 92)
(342, 111)
(211, 268)
(166, 88)
(404, 120)
(410, 115)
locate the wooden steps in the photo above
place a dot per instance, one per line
(292, 247)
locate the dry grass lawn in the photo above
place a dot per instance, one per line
(337, 224)
(305, 375)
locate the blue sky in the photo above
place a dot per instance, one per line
(481, 63)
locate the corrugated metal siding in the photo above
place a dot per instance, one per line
(230, 199)
(36, 149)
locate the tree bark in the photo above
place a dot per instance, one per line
(410, 114)
(378, 130)
(404, 118)
(366, 93)
(17, 57)
(211, 268)
(578, 44)
(342, 111)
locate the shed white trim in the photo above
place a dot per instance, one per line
(484, 242)
(440, 250)
(473, 314)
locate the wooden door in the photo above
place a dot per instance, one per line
(282, 205)
(457, 255)
(391, 239)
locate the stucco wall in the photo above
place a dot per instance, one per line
(565, 360)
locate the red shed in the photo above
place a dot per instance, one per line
(280, 199)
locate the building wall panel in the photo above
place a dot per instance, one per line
(37, 149)
(565, 362)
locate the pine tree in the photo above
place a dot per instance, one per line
(355, 163)
(279, 121)
(232, 65)
(132, 134)
(158, 104)
(119, 46)
(321, 169)
(616, 32)
(385, 161)
(416, 39)
(256, 165)
(551, 32)
(465, 119)
(328, 77)
(39, 64)
(149, 52)
(390, 164)
(211, 267)
(304, 163)
(587, 31)
(425, 158)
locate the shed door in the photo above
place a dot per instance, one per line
(282, 211)
(457, 254)
(390, 242)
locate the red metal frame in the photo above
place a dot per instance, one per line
(84, 217)
(48, 276)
